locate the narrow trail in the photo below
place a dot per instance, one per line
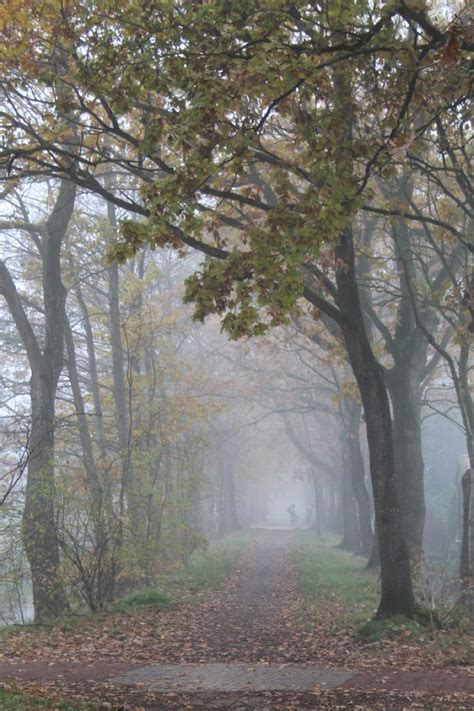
(255, 616)
(245, 647)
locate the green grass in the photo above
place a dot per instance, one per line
(16, 701)
(187, 585)
(206, 569)
(335, 585)
(341, 594)
(331, 578)
(146, 598)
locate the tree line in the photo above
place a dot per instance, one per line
(317, 153)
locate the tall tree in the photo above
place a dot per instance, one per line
(46, 363)
(253, 92)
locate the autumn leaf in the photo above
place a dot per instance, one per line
(451, 52)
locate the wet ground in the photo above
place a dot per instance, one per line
(244, 648)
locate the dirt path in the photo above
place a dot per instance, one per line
(255, 617)
(244, 648)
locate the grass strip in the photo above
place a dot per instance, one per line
(11, 700)
(332, 581)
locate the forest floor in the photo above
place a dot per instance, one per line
(274, 634)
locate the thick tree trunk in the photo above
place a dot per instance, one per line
(466, 403)
(406, 406)
(466, 485)
(467, 550)
(397, 592)
(409, 349)
(39, 526)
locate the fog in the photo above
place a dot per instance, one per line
(252, 433)
(236, 349)
(236, 294)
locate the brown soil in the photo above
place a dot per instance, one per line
(254, 617)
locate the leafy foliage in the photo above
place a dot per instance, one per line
(235, 115)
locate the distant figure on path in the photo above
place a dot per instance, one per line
(309, 517)
(293, 515)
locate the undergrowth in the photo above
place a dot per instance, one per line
(187, 585)
(205, 570)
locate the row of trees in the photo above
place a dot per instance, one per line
(115, 421)
(302, 147)
(143, 457)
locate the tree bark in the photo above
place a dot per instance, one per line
(467, 410)
(397, 592)
(100, 507)
(409, 349)
(406, 407)
(136, 525)
(93, 372)
(351, 534)
(358, 477)
(81, 415)
(39, 525)
(467, 549)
